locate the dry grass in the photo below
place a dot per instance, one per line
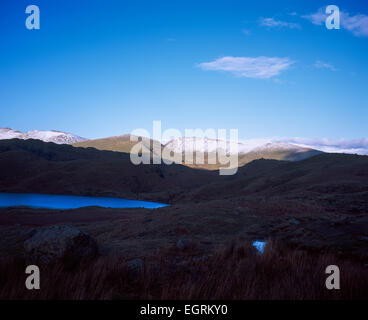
(236, 271)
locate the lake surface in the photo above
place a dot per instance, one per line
(49, 201)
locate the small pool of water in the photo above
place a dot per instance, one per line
(259, 245)
(49, 201)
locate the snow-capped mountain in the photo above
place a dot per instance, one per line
(280, 146)
(206, 145)
(355, 146)
(7, 133)
(196, 144)
(57, 137)
(193, 144)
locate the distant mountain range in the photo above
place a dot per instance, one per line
(356, 146)
(206, 145)
(121, 143)
(57, 137)
(38, 167)
(248, 150)
(194, 144)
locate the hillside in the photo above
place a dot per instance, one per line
(119, 143)
(57, 137)
(207, 148)
(319, 203)
(35, 166)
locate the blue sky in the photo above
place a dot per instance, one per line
(103, 68)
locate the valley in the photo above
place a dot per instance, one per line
(317, 205)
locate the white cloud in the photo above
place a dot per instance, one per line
(317, 18)
(323, 65)
(248, 67)
(358, 146)
(272, 23)
(356, 24)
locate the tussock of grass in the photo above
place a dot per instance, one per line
(235, 271)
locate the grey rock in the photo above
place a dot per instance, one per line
(238, 210)
(135, 265)
(183, 244)
(294, 221)
(49, 244)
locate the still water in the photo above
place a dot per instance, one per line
(49, 201)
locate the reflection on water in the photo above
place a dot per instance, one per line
(70, 202)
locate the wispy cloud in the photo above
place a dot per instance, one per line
(323, 65)
(249, 67)
(318, 18)
(272, 23)
(358, 146)
(356, 24)
(354, 146)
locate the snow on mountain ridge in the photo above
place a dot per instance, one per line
(207, 145)
(193, 144)
(277, 145)
(7, 133)
(57, 137)
(355, 146)
(359, 146)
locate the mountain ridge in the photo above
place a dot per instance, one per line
(58, 137)
(257, 149)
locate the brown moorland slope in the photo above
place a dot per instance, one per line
(121, 143)
(327, 174)
(317, 208)
(274, 152)
(36, 167)
(234, 271)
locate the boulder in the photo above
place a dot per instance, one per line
(183, 244)
(295, 221)
(49, 244)
(135, 266)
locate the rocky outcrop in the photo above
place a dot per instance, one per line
(50, 244)
(183, 244)
(135, 266)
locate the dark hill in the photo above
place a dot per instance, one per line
(34, 166)
(38, 167)
(319, 203)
